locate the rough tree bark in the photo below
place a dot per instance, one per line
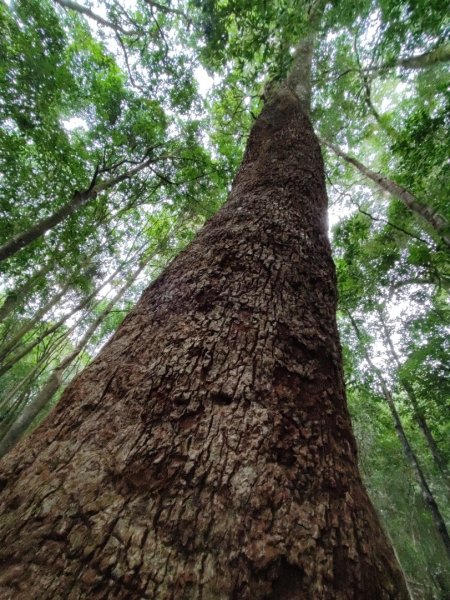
(207, 452)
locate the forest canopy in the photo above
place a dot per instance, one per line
(122, 125)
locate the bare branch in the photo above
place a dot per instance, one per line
(381, 220)
(79, 8)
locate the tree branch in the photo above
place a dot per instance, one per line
(22, 239)
(380, 219)
(435, 220)
(168, 10)
(70, 5)
(431, 58)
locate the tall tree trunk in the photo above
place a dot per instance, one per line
(207, 452)
(409, 453)
(436, 221)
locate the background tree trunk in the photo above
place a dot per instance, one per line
(11, 343)
(430, 502)
(435, 220)
(16, 296)
(26, 348)
(418, 413)
(25, 419)
(207, 452)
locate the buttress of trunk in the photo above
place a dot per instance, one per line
(207, 452)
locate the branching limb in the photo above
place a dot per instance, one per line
(381, 220)
(83, 10)
(434, 219)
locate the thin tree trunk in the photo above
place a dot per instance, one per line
(423, 425)
(29, 347)
(28, 325)
(410, 455)
(420, 477)
(33, 408)
(7, 402)
(10, 403)
(435, 220)
(79, 199)
(18, 295)
(417, 411)
(207, 452)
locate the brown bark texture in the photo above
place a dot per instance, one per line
(207, 452)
